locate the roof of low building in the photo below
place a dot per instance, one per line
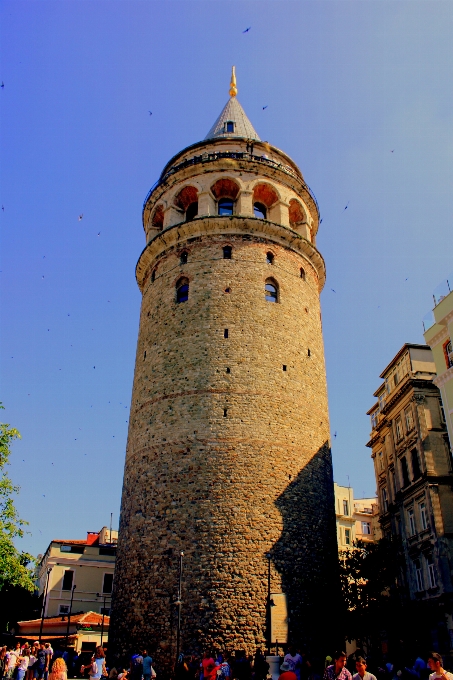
(80, 617)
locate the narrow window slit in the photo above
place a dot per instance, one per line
(225, 333)
(228, 370)
(284, 367)
(224, 412)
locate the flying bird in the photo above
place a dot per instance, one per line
(392, 150)
(346, 207)
(335, 435)
(150, 113)
(81, 217)
(3, 84)
(246, 31)
(3, 208)
(265, 107)
(333, 291)
(99, 233)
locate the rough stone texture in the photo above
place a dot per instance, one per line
(226, 465)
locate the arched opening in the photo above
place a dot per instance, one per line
(302, 273)
(182, 290)
(153, 275)
(225, 191)
(157, 220)
(264, 195)
(271, 290)
(296, 213)
(260, 210)
(270, 258)
(183, 257)
(227, 250)
(187, 201)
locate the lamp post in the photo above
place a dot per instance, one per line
(69, 617)
(105, 596)
(178, 603)
(44, 602)
(268, 607)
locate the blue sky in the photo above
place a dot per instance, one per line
(358, 94)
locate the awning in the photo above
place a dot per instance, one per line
(46, 637)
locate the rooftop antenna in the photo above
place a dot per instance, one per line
(349, 483)
(111, 519)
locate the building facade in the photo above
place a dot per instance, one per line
(228, 457)
(87, 565)
(83, 633)
(414, 473)
(439, 335)
(357, 518)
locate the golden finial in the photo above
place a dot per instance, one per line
(233, 88)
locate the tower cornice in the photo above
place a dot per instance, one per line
(178, 234)
(237, 161)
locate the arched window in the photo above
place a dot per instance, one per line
(225, 206)
(302, 273)
(260, 210)
(271, 291)
(184, 256)
(153, 275)
(269, 258)
(192, 211)
(157, 221)
(227, 252)
(296, 214)
(182, 290)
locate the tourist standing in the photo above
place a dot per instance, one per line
(338, 670)
(362, 673)
(59, 670)
(22, 666)
(294, 660)
(97, 666)
(435, 664)
(147, 665)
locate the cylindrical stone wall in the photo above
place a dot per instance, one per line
(228, 450)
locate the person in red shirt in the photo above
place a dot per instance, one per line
(208, 664)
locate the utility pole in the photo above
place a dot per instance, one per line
(69, 617)
(105, 596)
(178, 603)
(268, 608)
(44, 602)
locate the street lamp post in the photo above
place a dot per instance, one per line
(105, 596)
(44, 602)
(268, 607)
(178, 603)
(69, 617)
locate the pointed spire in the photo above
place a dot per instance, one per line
(233, 121)
(233, 88)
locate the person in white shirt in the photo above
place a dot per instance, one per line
(435, 664)
(362, 673)
(294, 660)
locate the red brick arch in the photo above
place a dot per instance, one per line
(157, 221)
(186, 196)
(296, 212)
(225, 188)
(265, 194)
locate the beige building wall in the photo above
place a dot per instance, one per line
(414, 472)
(439, 336)
(88, 566)
(357, 519)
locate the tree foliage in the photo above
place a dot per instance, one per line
(14, 571)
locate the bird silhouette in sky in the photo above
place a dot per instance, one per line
(335, 435)
(81, 217)
(150, 113)
(3, 84)
(3, 208)
(346, 206)
(392, 150)
(246, 31)
(99, 233)
(265, 107)
(333, 291)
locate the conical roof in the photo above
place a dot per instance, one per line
(234, 113)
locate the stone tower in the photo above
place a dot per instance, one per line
(228, 456)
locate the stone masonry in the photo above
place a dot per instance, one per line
(228, 454)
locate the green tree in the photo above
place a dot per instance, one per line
(14, 571)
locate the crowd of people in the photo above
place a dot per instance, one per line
(39, 662)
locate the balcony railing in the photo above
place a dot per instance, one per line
(235, 155)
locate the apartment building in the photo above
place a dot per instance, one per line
(81, 569)
(414, 473)
(357, 519)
